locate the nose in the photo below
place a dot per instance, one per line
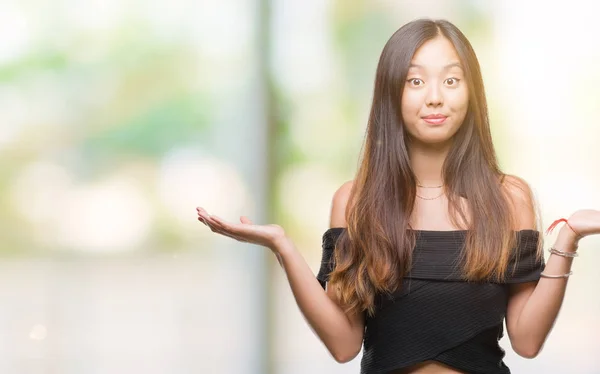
(434, 96)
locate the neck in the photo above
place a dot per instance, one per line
(427, 161)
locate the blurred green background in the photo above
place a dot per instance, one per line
(118, 118)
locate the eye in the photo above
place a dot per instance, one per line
(452, 81)
(416, 82)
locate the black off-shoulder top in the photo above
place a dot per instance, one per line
(436, 315)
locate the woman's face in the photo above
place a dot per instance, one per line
(435, 97)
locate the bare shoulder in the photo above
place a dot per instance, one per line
(339, 205)
(517, 188)
(522, 201)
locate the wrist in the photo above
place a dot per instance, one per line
(568, 240)
(282, 246)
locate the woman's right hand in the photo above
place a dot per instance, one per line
(271, 236)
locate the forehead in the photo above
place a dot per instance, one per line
(435, 53)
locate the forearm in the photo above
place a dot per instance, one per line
(324, 315)
(541, 309)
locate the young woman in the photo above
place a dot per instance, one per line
(431, 247)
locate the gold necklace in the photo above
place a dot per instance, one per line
(429, 198)
(420, 185)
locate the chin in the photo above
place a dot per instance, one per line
(435, 141)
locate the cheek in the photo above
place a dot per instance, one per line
(460, 101)
(410, 106)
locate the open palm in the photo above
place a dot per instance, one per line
(265, 235)
(585, 222)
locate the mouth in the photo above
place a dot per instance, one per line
(435, 119)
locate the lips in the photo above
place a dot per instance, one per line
(435, 119)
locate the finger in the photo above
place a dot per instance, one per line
(227, 229)
(202, 214)
(226, 226)
(245, 220)
(203, 217)
(203, 220)
(212, 226)
(217, 228)
(219, 224)
(201, 211)
(244, 232)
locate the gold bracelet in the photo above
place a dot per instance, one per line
(557, 276)
(555, 251)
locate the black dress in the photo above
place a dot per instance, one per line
(437, 315)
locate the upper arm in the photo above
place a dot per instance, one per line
(339, 206)
(521, 201)
(524, 215)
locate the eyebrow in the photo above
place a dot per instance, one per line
(447, 67)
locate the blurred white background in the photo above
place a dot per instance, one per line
(118, 118)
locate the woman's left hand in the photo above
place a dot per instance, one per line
(585, 222)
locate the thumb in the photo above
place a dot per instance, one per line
(246, 220)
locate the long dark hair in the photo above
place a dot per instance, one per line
(375, 252)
